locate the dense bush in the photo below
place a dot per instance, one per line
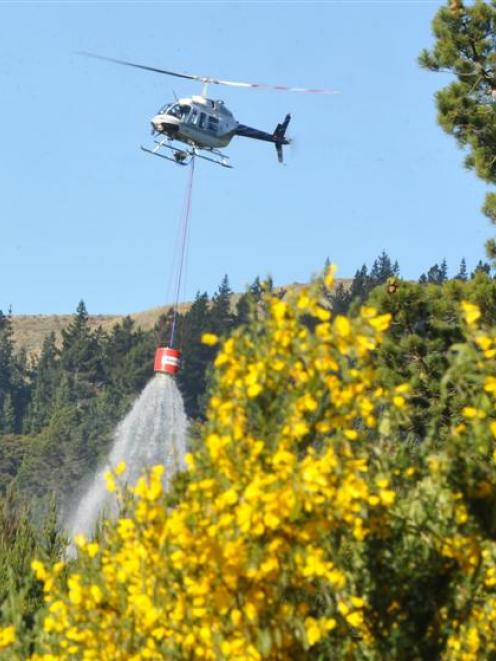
(306, 526)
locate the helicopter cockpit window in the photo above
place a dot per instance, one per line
(179, 111)
(193, 117)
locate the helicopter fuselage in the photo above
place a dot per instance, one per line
(196, 120)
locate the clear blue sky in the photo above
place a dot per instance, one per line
(85, 214)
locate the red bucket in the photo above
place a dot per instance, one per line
(167, 360)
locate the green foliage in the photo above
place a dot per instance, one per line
(12, 452)
(466, 47)
(192, 377)
(437, 274)
(306, 527)
(462, 271)
(21, 594)
(45, 382)
(363, 283)
(68, 403)
(14, 387)
(426, 323)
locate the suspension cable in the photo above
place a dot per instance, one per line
(183, 250)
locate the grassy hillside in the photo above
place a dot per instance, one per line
(30, 330)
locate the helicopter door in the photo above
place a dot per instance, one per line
(202, 120)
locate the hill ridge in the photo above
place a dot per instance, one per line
(31, 329)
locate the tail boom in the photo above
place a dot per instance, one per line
(278, 137)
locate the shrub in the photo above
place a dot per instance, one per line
(305, 526)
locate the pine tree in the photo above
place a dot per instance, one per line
(482, 267)
(437, 274)
(252, 296)
(462, 272)
(382, 269)
(196, 356)
(82, 356)
(221, 316)
(361, 284)
(340, 299)
(46, 380)
(127, 353)
(444, 270)
(465, 46)
(14, 384)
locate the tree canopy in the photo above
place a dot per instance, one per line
(465, 46)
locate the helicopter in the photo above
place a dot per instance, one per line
(205, 125)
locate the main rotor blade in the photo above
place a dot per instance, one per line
(212, 81)
(144, 67)
(277, 88)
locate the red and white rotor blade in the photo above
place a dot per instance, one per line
(211, 81)
(277, 88)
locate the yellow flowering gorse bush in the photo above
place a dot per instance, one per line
(303, 528)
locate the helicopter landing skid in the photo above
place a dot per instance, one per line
(180, 157)
(184, 156)
(222, 160)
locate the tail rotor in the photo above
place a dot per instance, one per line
(279, 136)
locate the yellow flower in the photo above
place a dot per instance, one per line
(7, 636)
(209, 339)
(329, 276)
(381, 323)
(110, 481)
(471, 313)
(279, 309)
(367, 312)
(490, 385)
(303, 301)
(236, 617)
(483, 342)
(313, 630)
(92, 549)
(39, 570)
(96, 593)
(342, 325)
(355, 619)
(322, 314)
(80, 541)
(254, 390)
(75, 590)
(120, 468)
(387, 497)
(251, 611)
